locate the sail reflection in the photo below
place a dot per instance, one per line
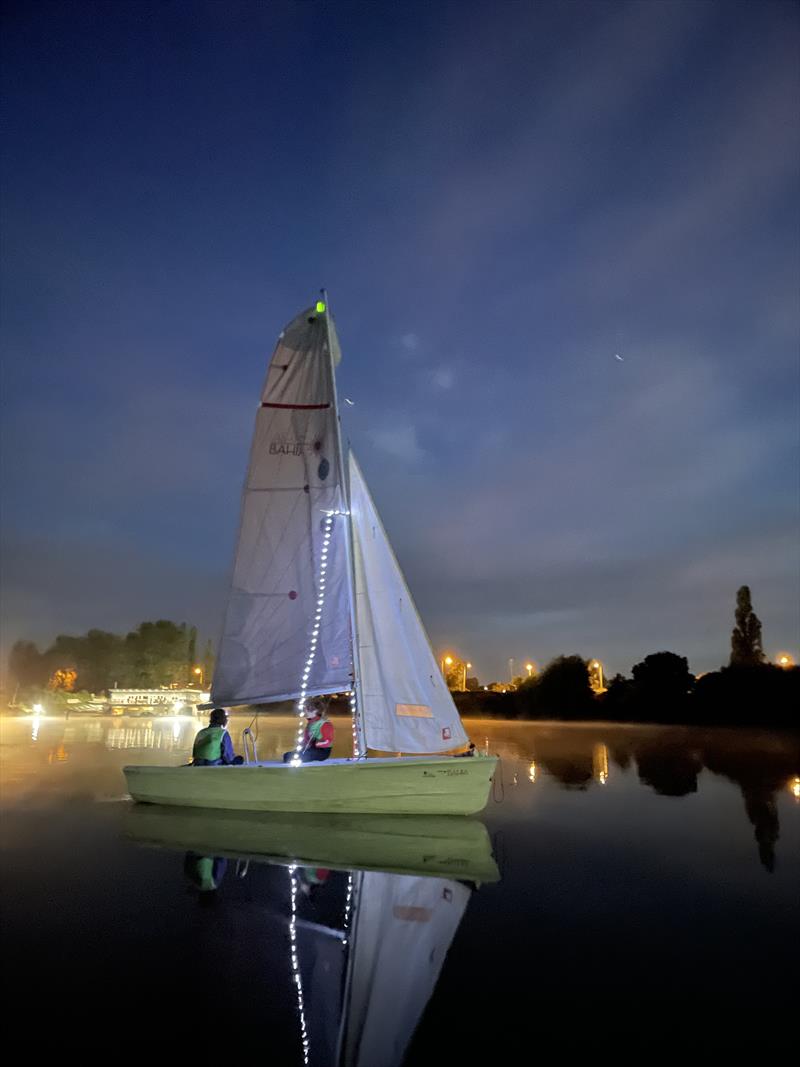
(365, 945)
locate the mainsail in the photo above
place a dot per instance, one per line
(293, 485)
(405, 704)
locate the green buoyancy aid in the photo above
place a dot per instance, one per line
(204, 868)
(315, 730)
(208, 743)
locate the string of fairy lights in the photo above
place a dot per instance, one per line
(314, 640)
(327, 532)
(353, 726)
(298, 982)
(347, 908)
(296, 977)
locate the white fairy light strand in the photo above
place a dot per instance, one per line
(298, 982)
(312, 645)
(353, 726)
(351, 695)
(347, 907)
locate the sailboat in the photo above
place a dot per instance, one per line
(318, 605)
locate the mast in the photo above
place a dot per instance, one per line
(348, 539)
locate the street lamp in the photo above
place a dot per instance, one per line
(597, 681)
(784, 660)
(199, 672)
(529, 669)
(464, 669)
(446, 661)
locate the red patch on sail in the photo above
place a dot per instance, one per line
(446, 733)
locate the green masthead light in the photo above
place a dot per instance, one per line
(320, 307)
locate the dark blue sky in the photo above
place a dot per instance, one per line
(500, 197)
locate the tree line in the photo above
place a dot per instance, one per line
(662, 689)
(155, 654)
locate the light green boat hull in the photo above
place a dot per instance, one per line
(409, 785)
(439, 846)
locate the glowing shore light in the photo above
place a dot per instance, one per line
(794, 786)
(600, 763)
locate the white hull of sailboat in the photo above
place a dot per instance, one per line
(409, 785)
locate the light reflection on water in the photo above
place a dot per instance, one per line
(669, 761)
(654, 846)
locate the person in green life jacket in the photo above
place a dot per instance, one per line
(204, 872)
(312, 879)
(318, 735)
(213, 746)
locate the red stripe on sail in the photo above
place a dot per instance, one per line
(298, 407)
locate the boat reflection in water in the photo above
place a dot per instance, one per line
(374, 905)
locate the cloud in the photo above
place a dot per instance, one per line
(605, 178)
(444, 378)
(400, 442)
(155, 449)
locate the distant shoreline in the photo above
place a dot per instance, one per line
(286, 711)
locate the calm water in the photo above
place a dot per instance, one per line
(647, 901)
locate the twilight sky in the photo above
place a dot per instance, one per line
(502, 197)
